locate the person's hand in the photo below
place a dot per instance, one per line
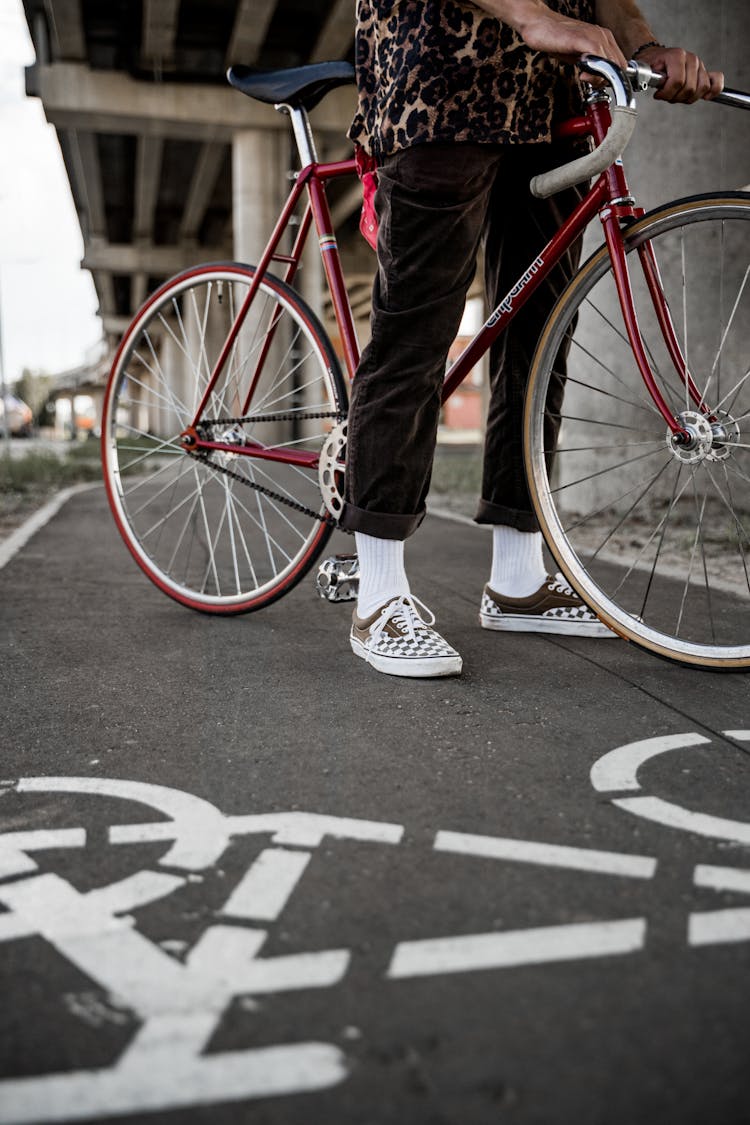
(568, 39)
(688, 80)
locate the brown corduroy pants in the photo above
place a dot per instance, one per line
(435, 204)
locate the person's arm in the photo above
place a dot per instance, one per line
(688, 80)
(548, 31)
(621, 30)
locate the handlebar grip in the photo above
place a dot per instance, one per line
(592, 163)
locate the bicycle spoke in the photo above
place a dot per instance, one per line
(726, 332)
(651, 410)
(601, 472)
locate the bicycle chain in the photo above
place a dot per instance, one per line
(289, 417)
(261, 488)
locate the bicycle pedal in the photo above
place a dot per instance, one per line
(338, 578)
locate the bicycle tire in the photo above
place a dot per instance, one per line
(655, 544)
(233, 534)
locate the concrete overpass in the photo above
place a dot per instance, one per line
(157, 147)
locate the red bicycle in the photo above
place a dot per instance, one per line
(224, 427)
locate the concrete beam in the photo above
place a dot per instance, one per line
(337, 34)
(201, 188)
(249, 31)
(156, 261)
(76, 97)
(159, 31)
(105, 290)
(86, 179)
(147, 177)
(115, 325)
(67, 38)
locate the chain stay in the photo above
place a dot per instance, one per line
(261, 488)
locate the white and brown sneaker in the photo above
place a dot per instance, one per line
(554, 608)
(399, 641)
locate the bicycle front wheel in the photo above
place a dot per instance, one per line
(223, 531)
(654, 536)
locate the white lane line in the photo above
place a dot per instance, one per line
(618, 769)
(20, 537)
(471, 952)
(740, 735)
(547, 855)
(722, 878)
(267, 885)
(673, 816)
(718, 927)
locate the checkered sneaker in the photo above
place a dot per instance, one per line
(554, 608)
(400, 641)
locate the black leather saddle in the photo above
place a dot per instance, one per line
(299, 87)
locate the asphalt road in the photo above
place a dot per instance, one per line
(243, 878)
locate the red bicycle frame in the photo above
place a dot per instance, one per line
(609, 196)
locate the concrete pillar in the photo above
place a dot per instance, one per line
(676, 151)
(260, 184)
(259, 187)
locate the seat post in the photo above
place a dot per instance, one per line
(303, 134)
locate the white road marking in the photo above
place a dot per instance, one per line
(740, 735)
(200, 832)
(20, 537)
(472, 952)
(722, 878)
(162, 1077)
(264, 890)
(547, 855)
(717, 927)
(618, 769)
(674, 816)
(178, 1003)
(15, 845)
(309, 829)
(180, 1006)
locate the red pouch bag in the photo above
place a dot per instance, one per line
(367, 170)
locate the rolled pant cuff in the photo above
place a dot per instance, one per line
(498, 515)
(382, 525)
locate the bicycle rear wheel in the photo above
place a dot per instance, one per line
(655, 537)
(221, 531)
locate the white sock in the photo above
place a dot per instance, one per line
(518, 568)
(381, 572)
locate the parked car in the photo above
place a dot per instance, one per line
(19, 416)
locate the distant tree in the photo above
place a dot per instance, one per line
(34, 388)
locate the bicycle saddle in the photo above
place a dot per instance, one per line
(300, 86)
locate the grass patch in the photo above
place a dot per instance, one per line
(29, 480)
(49, 470)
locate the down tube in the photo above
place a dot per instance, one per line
(538, 270)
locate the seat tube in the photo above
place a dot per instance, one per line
(334, 273)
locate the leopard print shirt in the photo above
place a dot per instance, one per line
(442, 70)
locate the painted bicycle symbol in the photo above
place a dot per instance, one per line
(178, 1001)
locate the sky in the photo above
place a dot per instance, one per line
(47, 303)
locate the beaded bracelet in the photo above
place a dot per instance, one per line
(645, 47)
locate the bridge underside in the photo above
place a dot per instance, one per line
(148, 127)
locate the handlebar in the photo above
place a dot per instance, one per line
(622, 84)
